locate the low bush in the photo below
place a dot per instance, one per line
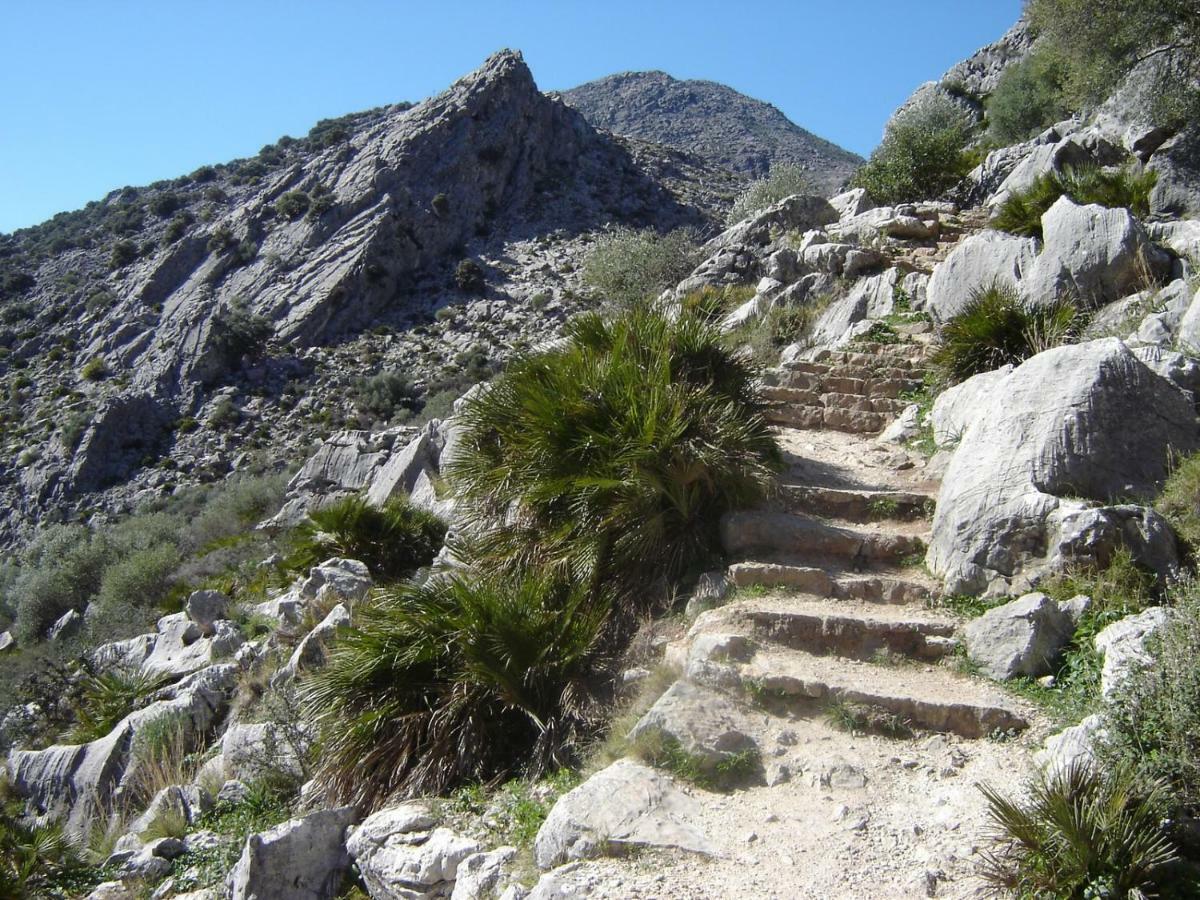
(292, 205)
(1030, 95)
(95, 369)
(1153, 724)
(625, 266)
(392, 540)
(923, 153)
(1022, 212)
(1082, 833)
(105, 699)
(384, 394)
(34, 857)
(238, 332)
(784, 180)
(1179, 501)
(619, 451)
(996, 327)
(468, 277)
(123, 253)
(463, 679)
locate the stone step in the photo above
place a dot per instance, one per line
(925, 697)
(875, 587)
(931, 699)
(812, 416)
(804, 539)
(891, 384)
(836, 627)
(792, 372)
(856, 505)
(831, 400)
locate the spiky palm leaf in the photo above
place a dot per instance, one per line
(1081, 831)
(463, 678)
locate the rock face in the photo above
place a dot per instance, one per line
(402, 855)
(625, 805)
(1089, 421)
(302, 859)
(1024, 637)
(974, 265)
(706, 725)
(1123, 645)
(728, 129)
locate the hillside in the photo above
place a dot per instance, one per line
(253, 296)
(727, 129)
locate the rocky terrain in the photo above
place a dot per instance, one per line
(889, 630)
(726, 129)
(266, 287)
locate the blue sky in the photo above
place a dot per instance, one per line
(98, 95)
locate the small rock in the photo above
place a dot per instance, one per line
(206, 607)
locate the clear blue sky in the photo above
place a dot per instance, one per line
(98, 94)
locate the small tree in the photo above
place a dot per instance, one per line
(923, 153)
(626, 266)
(783, 181)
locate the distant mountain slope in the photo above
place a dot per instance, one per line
(715, 122)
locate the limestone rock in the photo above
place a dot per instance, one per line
(482, 876)
(401, 855)
(1071, 746)
(1177, 162)
(205, 608)
(625, 805)
(1089, 421)
(1123, 644)
(302, 859)
(1092, 253)
(1044, 159)
(65, 626)
(706, 725)
(312, 651)
(181, 648)
(957, 406)
(1024, 637)
(975, 264)
(254, 750)
(7, 641)
(905, 427)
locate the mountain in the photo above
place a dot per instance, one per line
(265, 289)
(725, 128)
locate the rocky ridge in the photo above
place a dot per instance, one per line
(725, 128)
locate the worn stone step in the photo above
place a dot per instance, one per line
(836, 627)
(813, 416)
(873, 355)
(776, 396)
(875, 587)
(802, 538)
(821, 378)
(925, 697)
(856, 505)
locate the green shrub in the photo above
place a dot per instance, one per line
(465, 678)
(625, 266)
(383, 394)
(1030, 96)
(468, 277)
(60, 570)
(292, 205)
(621, 449)
(164, 204)
(105, 699)
(140, 577)
(393, 540)
(1179, 501)
(237, 332)
(1153, 724)
(995, 328)
(1083, 833)
(123, 253)
(783, 181)
(922, 155)
(95, 369)
(1021, 213)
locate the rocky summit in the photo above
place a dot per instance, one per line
(502, 497)
(725, 128)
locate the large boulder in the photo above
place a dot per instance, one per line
(402, 855)
(1089, 422)
(1024, 637)
(302, 859)
(181, 646)
(870, 298)
(957, 406)
(1093, 254)
(984, 259)
(1123, 646)
(707, 726)
(1044, 159)
(1177, 162)
(625, 806)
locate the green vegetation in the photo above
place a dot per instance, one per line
(621, 449)
(292, 205)
(457, 680)
(783, 181)
(238, 332)
(123, 253)
(922, 155)
(665, 752)
(468, 277)
(997, 327)
(1030, 96)
(1179, 501)
(1099, 43)
(781, 325)
(385, 396)
(863, 718)
(1022, 212)
(1083, 833)
(626, 266)
(105, 699)
(393, 540)
(95, 369)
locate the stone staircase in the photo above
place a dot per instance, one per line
(922, 256)
(833, 600)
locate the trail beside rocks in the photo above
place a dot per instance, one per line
(833, 621)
